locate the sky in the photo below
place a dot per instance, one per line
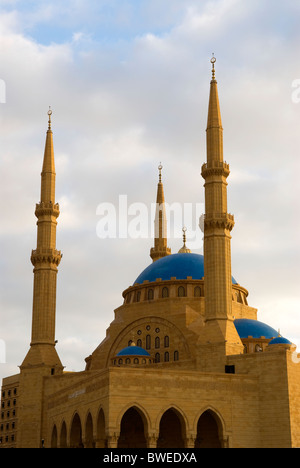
(128, 84)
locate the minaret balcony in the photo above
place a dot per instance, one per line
(47, 209)
(215, 168)
(219, 221)
(46, 256)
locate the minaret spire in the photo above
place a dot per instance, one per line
(218, 224)
(45, 260)
(42, 359)
(160, 248)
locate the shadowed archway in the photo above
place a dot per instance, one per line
(171, 430)
(133, 433)
(76, 433)
(209, 431)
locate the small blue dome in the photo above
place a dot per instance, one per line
(254, 328)
(133, 351)
(180, 265)
(279, 340)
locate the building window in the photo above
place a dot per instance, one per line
(138, 296)
(167, 356)
(157, 357)
(135, 361)
(197, 291)
(127, 361)
(166, 342)
(150, 294)
(139, 343)
(128, 298)
(229, 369)
(148, 342)
(120, 362)
(176, 356)
(157, 342)
(181, 291)
(165, 292)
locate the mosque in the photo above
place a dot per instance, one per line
(185, 363)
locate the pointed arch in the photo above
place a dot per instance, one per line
(209, 430)
(54, 437)
(63, 435)
(76, 432)
(89, 436)
(101, 434)
(172, 428)
(133, 422)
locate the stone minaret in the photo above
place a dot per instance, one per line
(160, 248)
(42, 359)
(218, 224)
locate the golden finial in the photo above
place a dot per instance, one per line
(184, 229)
(213, 61)
(160, 168)
(49, 121)
(184, 248)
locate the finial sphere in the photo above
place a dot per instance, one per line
(213, 60)
(49, 111)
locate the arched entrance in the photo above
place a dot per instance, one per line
(63, 436)
(101, 436)
(54, 437)
(171, 430)
(76, 433)
(208, 431)
(132, 434)
(89, 441)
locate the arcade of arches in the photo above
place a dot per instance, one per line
(134, 432)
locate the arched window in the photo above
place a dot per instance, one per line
(138, 296)
(135, 361)
(166, 342)
(128, 297)
(150, 294)
(157, 342)
(176, 356)
(148, 342)
(197, 291)
(127, 361)
(129, 342)
(181, 291)
(157, 357)
(167, 356)
(165, 292)
(139, 343)
(120, 362)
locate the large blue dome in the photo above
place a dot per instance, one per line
(180, 265)
(254, 328)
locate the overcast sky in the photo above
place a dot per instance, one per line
(128, 83)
